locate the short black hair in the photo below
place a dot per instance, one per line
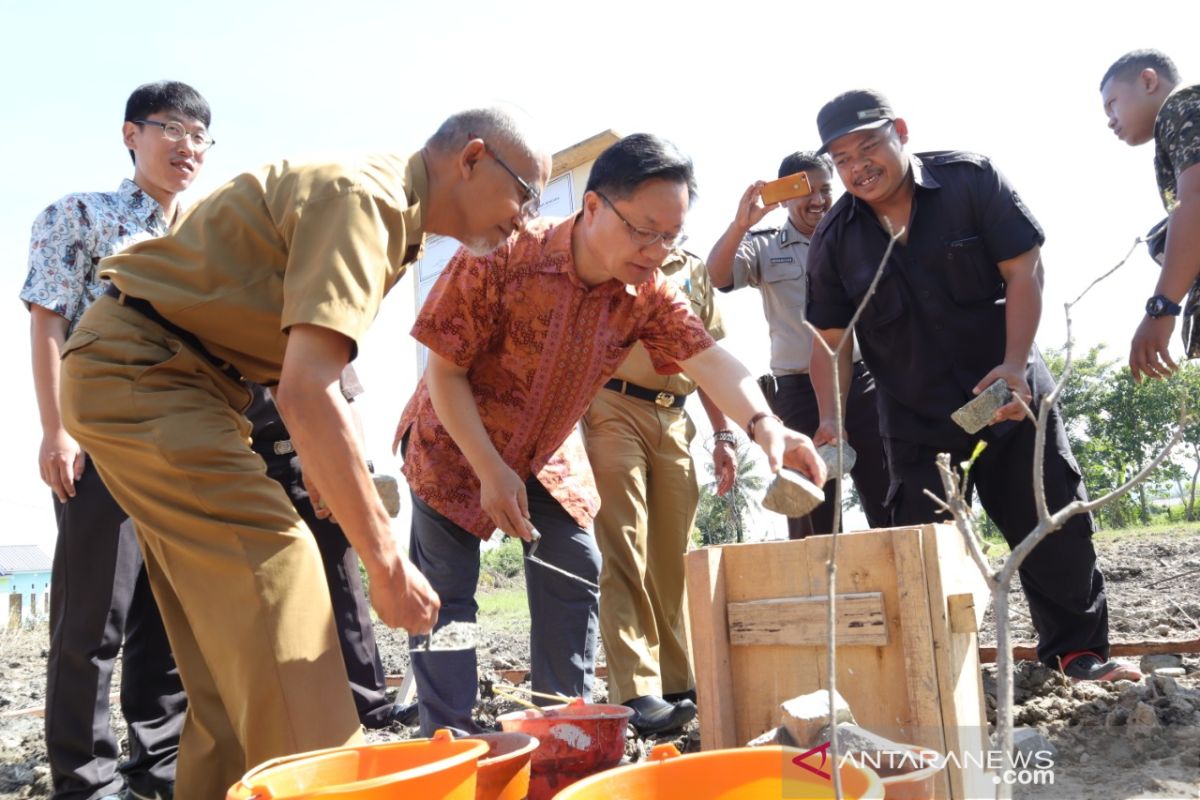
(1135, 61)
(637, 158)
(804, 160)
(152, 98)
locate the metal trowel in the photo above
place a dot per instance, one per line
(451, 636)
(532, 558)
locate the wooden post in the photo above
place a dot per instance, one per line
(14, 612)
(710, 637)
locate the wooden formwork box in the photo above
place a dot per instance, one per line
(909, 604)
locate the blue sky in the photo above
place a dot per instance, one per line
(736, 85)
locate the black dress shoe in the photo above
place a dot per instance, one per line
(675, 697)
(653, 715)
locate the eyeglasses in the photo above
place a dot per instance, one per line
(644, 237)
(533, 198)
(175, 132)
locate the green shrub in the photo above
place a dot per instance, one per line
(505, 561)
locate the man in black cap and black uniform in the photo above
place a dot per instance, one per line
(956, 309)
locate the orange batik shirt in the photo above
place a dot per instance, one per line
(537, 345)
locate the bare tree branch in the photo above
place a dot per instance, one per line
(1090, 286)
(831, 565)
(960, 512)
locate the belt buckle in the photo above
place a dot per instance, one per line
(283, 447)
(665, 399)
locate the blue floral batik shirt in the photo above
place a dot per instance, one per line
(71, 236)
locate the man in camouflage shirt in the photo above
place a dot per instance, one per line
(1144, 100)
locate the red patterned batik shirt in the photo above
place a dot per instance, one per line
(537, 345)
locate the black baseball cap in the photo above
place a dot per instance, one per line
(855, 110)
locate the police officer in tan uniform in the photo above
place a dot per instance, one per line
(774, 260)
(274, 278)
(638, 439)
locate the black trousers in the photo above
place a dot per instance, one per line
(796, 404)
(563, 614)
(1062, 583)
(100, 598)
(351, 610)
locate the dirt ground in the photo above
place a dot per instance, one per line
(1114, 741)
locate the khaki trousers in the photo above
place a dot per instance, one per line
(236, 574)
(648, 495)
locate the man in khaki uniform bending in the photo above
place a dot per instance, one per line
(638, 440)
(274, 279)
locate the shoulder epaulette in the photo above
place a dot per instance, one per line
(763, 231)
(939, 157)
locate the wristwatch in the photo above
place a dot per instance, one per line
(1160, 306)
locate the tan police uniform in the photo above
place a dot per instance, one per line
(638, 436)
(148, 393)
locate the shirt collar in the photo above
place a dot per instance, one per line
(416, 189)
(143, 205)
(922, 178)
(790, 234)
(557, 257)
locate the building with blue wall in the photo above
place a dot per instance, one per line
(24, 571)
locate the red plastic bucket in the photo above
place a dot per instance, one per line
(575, 740)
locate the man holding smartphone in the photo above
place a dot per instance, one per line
(956, 309)
(774, 260)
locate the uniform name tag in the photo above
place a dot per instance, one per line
(782, 260)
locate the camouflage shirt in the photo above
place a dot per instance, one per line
(1176, 140)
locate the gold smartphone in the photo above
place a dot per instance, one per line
(786, 188)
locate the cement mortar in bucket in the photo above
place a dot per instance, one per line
(748, 773)
(439, 767)
(575, 740)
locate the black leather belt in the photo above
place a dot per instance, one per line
(664, 399)
(148, 311)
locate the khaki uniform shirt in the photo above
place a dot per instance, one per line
(687, 272)
(318, 243)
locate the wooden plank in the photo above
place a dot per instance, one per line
(925, 684)
(1027, 651)
(804, 621)
(582, 152)
(960, 608)
(710, 629)
(956, 591)
(766, 675)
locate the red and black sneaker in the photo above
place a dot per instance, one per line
(1085, 665)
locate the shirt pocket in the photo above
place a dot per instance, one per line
(971, 275)
(78, 340)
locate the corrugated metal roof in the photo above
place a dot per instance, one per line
(23, 558)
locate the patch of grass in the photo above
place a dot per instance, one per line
(504, 561)
(1154, 530)
(505, 607)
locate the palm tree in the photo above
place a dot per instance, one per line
(723, 519)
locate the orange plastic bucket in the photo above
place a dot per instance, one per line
(752, 773)
(913, 785)
(504, 770)
(575, 740)
(439, 767)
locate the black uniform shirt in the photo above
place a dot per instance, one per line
(935, 325)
